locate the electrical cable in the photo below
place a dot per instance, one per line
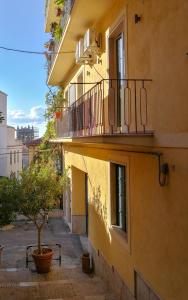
(33, 52)
(98, 72)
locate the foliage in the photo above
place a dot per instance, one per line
(58, 32)
(59, 2)
(1, 117)
(40, 188)
(54, 101)
(9, 193)
(50, 133)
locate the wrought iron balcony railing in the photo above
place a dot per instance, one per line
(110, 107)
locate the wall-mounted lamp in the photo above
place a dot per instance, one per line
(137, 18)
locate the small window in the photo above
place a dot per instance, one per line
(17, 156)
(119, 196)
(10, 157)
(14, 156)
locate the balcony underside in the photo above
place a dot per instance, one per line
(84, 14)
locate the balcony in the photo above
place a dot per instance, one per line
(112, 107)
(79, 15)
(67, 7)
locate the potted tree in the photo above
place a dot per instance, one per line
(40, 186)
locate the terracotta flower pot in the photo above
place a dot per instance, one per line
(57, 114)
(58, 12)
(43, 260)
(86, 263)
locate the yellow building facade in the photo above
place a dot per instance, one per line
(124, 68)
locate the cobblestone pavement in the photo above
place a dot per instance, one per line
(65, 282)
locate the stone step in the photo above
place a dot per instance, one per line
(59, 284)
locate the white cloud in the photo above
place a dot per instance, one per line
(33, 117)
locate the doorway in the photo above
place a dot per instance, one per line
(117, 58)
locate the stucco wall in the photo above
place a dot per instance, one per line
(155, 48)
(156, 246)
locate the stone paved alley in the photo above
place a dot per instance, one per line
(63, 283)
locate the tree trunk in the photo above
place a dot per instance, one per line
(39, 239)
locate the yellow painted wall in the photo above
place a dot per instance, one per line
(156, 49)
(158, 222)
(78, 192)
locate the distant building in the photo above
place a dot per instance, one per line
(33, 147)
(27, 134)
(10, 147)
(25, 156)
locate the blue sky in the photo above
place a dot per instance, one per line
(23, 76)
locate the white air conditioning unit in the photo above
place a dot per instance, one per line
(81, 57)
(92, 41)
(79, 51)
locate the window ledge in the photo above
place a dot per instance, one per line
(120, 235)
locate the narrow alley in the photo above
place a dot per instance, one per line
(65, 282)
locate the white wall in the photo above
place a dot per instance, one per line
(14, 146)
(3, 135)
(8, 144)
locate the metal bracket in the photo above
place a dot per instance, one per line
(43, 245)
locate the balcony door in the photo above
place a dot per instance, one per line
(117, 75)
(120, 74)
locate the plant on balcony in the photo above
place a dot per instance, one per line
(58, 11)
(59, 2)
(58, 32)
(55, 101)
(53, 26)
(50, 45)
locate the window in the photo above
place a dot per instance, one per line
(119, 196)
(10, 157)
(14, 156)
(17, 156)
(117, 69)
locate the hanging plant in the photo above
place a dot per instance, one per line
(59, 2)
(53, 27)
(58, 33)
(50, 45)
(58, 12)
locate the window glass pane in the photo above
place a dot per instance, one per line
(120, 197)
